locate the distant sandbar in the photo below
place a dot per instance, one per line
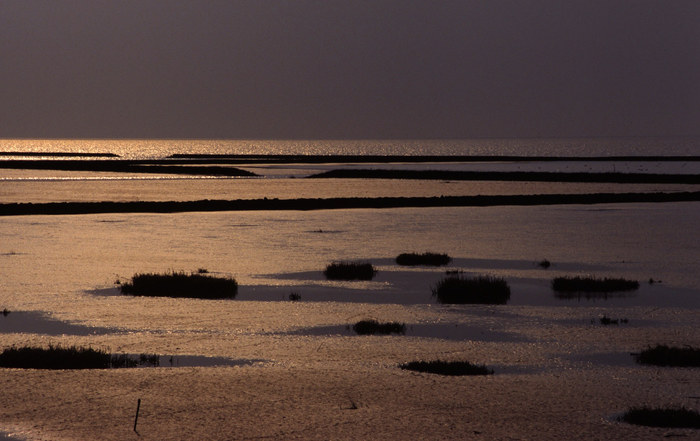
(617, 178)
(60, 208)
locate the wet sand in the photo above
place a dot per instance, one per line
(299, 373)
(559, 373)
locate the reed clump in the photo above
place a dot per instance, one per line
(662, 355)
(427, 259)
(479, 290)
(180, 284)
(350, 271)
(678, 417)
(57, 357)
(451, 368)
(592, 284)
(605, 320)
(371, 327)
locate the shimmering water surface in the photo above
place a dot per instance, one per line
(47, 258)
(182, 189)
(261, 356)
(528, 147)
(273, 179)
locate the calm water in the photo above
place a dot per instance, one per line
(57, 185)
(526, 147)
(54, 263)
(61, 271)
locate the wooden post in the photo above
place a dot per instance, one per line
(136, 420)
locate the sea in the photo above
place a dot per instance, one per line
(161, 148)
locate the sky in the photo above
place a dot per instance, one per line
(330, 69)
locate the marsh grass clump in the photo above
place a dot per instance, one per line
(605, 320)
(592, 284)
(371, 327)
(428, 259)
(56, 357)
(350, 271)
(452, 368)
(149, 360)
(181, 284)
(479, 289)
(662, 355)
(678, 417)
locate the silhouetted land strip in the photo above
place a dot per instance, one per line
(61, 154)
(219, 165)
(618, 178)
(420, 158)
(121, 166)
(53, 208)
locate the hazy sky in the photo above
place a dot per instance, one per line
(349, 69)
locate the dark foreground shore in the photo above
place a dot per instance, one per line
(57, 208)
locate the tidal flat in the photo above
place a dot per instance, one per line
(558, 372)
(281, 360)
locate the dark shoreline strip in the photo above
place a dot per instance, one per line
(121, 166)
(59, 208)
(61, 154)
(99, 163)
(618, 178)
(426, 158)
(185, 168)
